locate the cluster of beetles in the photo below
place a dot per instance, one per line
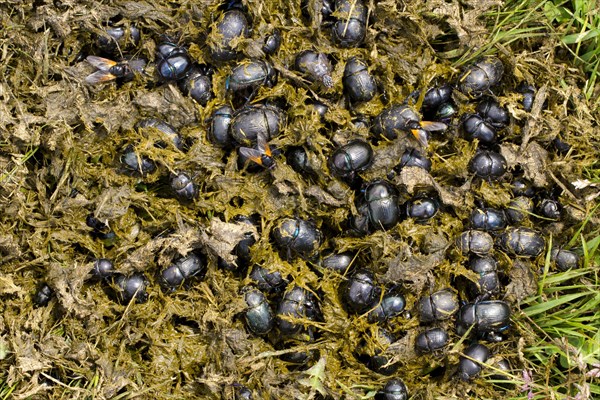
(244, 126)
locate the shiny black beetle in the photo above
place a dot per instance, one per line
(128, 288)
(296, 236)
(339, 262)
(422, 208)
(488, 282)
(173, 62)
(135, 164)
(251, 74)
(165, 129)
(359, 84)
(518, 209)
(270, 282)
(316, 66)
(360, 293)
(252, 120)
(522, 242)
(481, 76)
(296, 303)
(392, 304)
(350, 27)
(259, 316)
(431, 340)
(381, 200)
(348, 160)
(182, 271)
(488, 219)
(494, 115)
(219, 126)
(232, 24)
(439, 306)
(488, 318)
(488, 165)
(550, 209)
(394, 389)
(435, 98)
(413, 158)
(564, 259)
(198, 85)
(272, 42)
(471, 363)
(377, 356)
(43, 295)
(183, 186)
(476, 242)
(102, 269)
(115, 39)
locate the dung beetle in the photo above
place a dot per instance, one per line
(376, 355)
(488, 219)
(316, 66)
(182, 271)
(348, 160)
(518, 209)
(488, 282)
(250, 74)
(136, 164)
(350, 27)
(413, 158)
(445, 113)
(219, 126)
(270, 282)
(435, 98)
(550, 209)
(564, 259)
(476, 127)
(100, 230)
(481, 76)
(560, 145)
(394, 389)
(166, 130)
(297, 158)
(242, 392)
(486, 317)
(232, 24)
(488, 165)
(183, 186)
(358, 82)
(259, 316)
(299, 358)
(173, 62)
(390, 306)
(252, 120)
(422, 208)
(528, 92)
(439, 306)
(118, 38)
(43, 295)
(297, 303)
(272, 42)
(297, 237)
(476, 242)
(431, 340)
(360, 293)
(103, 269)
(109, 70)
(320, 108)
(197, 85)
(470, 364)
(521, 187)
(128, 288)
(381, 199)
(522, 242)
(242, 248)
(403, 118)
(493, 113)
(339, 262)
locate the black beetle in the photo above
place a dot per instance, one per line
(271, 282)
(481, 76)
(118, 38)
(252, 120)
(431, 340)
(486, 317)
(297, 158)
(376, 355)
(242, 248)
(259, 316)
(381, 199)
(528, 92)
(43, 295)
(564, 259)
(197, 85)
(100, 229)
(474, 241)
(435, 98)
(488, 282)
(136, 164)
(183, 186)
(518, 209)
(109, 70)
(250, 74)
(476, 127)
(219, 126)
(181, 271)
(173, 62)
(493, 113)
(297, 237)
(358, 83)
(390, 306)
(128, 288)
(167, 130)
(439, 306)
(297, 303)
(488, 165)
(403, 118)
(394, 389)
(521, 187)
(232, 25)
(103, 269)
(316, 66)
(242, 392)
(422, 208)
(522, 242)
(348, 160)
(445, 113)
(350, 27)
(360, 293)
(413, 158)
(550, 209)
(488, 219)
(470, 363)
(272, 42)
(339, 262)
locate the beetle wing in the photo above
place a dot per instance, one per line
(103, 64)
(252, 154)
(99, 77)
(433, 126)
(262, 145)
(421, 136)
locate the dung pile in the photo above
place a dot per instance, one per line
(250, 200)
